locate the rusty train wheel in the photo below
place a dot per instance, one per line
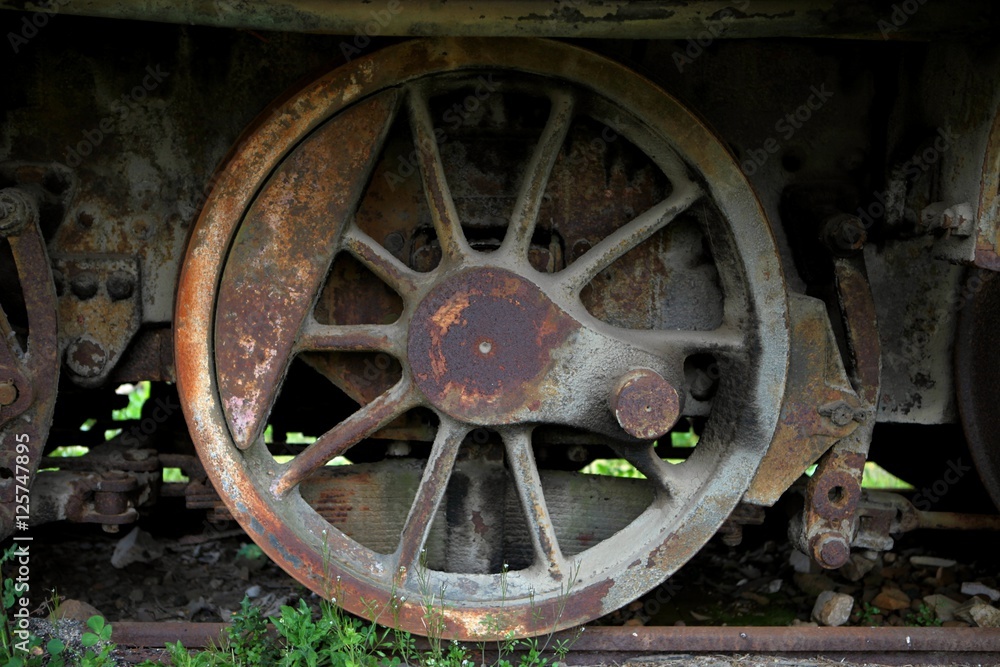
(494, 337)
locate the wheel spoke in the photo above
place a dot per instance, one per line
(442, 206)
(349, 432)
(656, 470)
(685, 342)
(350, 338)
(521, 460)
(381, 262)
(433, 484)
(576, 276)
(536, 178)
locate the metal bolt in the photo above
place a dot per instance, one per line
(17, 211)
(645, 405)
(84, 285)
(839, 412)
(844, 233)
(8, 392)
(121, 285)
(394, 242)
(831, 550)
(86, 357)
(580, 247)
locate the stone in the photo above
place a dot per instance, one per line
(832, 609)
(963, 612)
(800, 562)
(796, 623)
(942, 606)
(856, 568)
(931, 561)
(889, 558)
(774, 586)
(985, 616)
(75, 610)
(976, 588)
(813, 584)
(136, 547)
(755, 597)
(891, 599)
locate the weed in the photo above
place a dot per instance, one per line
(924, 616)
(868, 614)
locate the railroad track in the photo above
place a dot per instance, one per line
(605, 645)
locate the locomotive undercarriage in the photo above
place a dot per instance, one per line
(469, 267)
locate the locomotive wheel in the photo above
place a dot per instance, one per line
(488, 339)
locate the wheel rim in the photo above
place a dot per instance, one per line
(293, 185)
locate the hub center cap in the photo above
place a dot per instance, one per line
(481, 344)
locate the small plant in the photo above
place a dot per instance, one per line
(868, 614)
(924, 617)
(250, 552)
(248, 642)
(97, 644)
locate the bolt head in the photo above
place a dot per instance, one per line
(831, 550)
(86, 357)
(121, 285)
(84, 285)
(645, 404)
(8, 393)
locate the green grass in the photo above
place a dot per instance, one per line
(877, 477)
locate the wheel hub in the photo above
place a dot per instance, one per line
(482, 343)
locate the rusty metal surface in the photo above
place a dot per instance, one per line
(645, 404)
(833, 493)
(99, 312)
(816, 379)
(482, 344)
(149, 357)
(264, 496)
(567, 18)
(295, 220)
(647, 642)
(977, 369)
(29, 363)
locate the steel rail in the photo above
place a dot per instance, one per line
(597, 645)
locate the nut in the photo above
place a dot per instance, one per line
(831, 550)
(840, 413)
(8, 392)
(86, 358)
(17, 211)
